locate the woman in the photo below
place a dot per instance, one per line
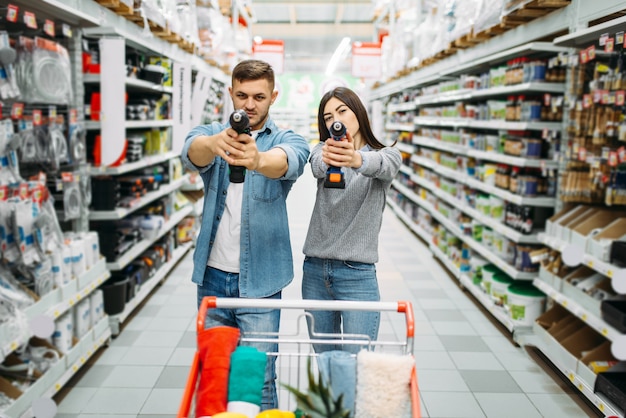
(341, 246)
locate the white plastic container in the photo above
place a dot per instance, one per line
(526, 303)
(82, 318)
(63, 333)
(96, 303)
(499, 288)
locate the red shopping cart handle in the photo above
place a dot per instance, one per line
(212, 302)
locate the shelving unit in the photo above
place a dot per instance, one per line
(412, 208)
(89, 19)
(147, 287)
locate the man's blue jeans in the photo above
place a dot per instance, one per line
(341, 280)
(222, 284)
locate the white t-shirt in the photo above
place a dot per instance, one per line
(225, 252)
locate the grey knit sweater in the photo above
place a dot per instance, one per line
(346, 222)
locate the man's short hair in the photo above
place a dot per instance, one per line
(250, 70)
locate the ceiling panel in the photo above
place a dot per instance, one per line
(271, 13)
(325, 13)
(312, 29)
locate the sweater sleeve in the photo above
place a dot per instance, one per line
(382, 164)
(318, 167)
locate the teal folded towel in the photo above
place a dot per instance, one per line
(247, 375)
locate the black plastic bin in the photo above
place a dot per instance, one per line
(115, 293)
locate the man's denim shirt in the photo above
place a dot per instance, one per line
(266, 263)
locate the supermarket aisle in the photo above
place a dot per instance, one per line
(466, 366)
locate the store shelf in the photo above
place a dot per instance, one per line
(469, 94)
(511, 44)
(589, 318)
(454, 229)
(450, 266)
(409, 222)
(511, 160)
(494, 224)
(134, 124)
(53, 304)
(404, 147)
(589, 36)
(143, 245)
(119, 213)
(401, 107)
(426, 141)
(131, 82)
(497, 311)
(147, 287)
(615, 273)
(496, 125)
(479, 185)
(483, 155)
(61, 372)
(146, 161)
(510, 197)
(568, 365)
(404, 127)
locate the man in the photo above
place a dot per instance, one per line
(244, 248)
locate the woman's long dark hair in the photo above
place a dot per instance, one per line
(353, 101)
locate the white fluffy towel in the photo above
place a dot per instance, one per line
(382, 389)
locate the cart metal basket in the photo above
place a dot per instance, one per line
(296, 346)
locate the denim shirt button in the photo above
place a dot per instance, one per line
(224, 192)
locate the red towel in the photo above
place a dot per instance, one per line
(215, 345)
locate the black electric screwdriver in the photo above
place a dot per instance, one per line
(240, 122)
(334, 175)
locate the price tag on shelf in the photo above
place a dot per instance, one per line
(619, 38)
(584, 317)
(609, 273)
(605, 332)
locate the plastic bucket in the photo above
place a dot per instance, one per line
(499, 288)
(114, 292)
(488, 271)
(526, 303)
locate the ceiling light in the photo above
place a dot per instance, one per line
(338, 55)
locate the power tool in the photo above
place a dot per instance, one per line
(334, 175)
(240, 122)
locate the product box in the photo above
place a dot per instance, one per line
(551, 223)
(592, 226)
(613, 312)
(561, 227)
(582, 297)
(612, 385)
(599, 246)
(553, 324)
(167, 64)
(599, 358)
(573, 223)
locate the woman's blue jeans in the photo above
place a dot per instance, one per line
(341, 280)
(223, 284)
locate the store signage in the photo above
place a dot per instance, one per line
(272, 52)
(366, 59)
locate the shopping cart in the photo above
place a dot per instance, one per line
(296, 346)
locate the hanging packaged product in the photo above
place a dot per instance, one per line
(8, 81)
(44, 71)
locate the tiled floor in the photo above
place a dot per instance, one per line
(467, 367)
